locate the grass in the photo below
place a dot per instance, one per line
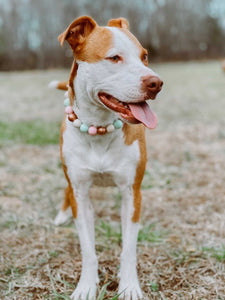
(34, 132)
(180, 251)
(150, 234)
(218, 253)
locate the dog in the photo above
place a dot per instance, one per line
(103, 138)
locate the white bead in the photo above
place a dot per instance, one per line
(77, 123)
(110, 128)
(66, 94)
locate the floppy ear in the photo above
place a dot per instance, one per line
(120, 22)
(77, 32)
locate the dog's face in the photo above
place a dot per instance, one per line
(112, 68)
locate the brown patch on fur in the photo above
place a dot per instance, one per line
(73, 74)
(77, 31)
(63, 85)
(69, 198)
(120, 23)
(88, 41)
(131, 134)
(96, 45)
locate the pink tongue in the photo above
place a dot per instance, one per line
(143, 113)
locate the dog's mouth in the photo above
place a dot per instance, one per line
(139, 112)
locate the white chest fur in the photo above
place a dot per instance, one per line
(85, 156)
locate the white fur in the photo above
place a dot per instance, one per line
(85, 156)
(53, 84)
(66, 94)
(100, 156)
(129, 285)
(63, 216)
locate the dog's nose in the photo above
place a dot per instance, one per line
(152, 85)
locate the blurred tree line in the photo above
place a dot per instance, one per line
(169, 29)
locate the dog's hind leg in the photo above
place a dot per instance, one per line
(69, 207)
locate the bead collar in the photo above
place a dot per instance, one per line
(91, 130)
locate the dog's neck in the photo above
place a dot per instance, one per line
(89, 111)
(91, 114)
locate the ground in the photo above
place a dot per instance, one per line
(181, 245)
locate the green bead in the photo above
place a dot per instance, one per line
(84, 127)
(118, 124)
(66, 102)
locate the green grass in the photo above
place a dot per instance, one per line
(148, 181)
(109, 232)
(218, 253)
(154, 286)
(147, 234)
(35, 132)
(151, 235)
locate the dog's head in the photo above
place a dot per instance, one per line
(113, 68)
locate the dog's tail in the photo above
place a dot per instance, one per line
(61, 85)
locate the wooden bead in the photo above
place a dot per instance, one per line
(101, 130)
(72, 117)
(77, 123)
(110, 128)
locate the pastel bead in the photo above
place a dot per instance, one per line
(72, 117)
(77, 123)
(92, 130)
(84, 127)
(69, 110)
(110, 128)
(118, 124)
(101, 130)
(67, 102)
(66, 94)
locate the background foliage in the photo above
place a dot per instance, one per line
(171, 30)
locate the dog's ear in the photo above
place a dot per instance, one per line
(120, 22)
(77, 32)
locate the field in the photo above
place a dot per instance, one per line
(181, 245)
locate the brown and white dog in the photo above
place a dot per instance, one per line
(110, 79)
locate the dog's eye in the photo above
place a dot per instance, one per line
(115, 58)
(145, 57)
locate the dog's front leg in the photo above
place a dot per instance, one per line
(86, 288)
(129, 284)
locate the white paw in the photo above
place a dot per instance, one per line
(63, 216)
(53, 84)
(130, 291)
(84, 292)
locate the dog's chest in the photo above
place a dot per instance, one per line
(105, 158)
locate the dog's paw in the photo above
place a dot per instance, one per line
(63, 216)
(84, 292)
(130, 291)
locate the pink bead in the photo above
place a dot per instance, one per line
(68, 110)
(92, 130)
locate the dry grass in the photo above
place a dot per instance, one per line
(181, 248)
